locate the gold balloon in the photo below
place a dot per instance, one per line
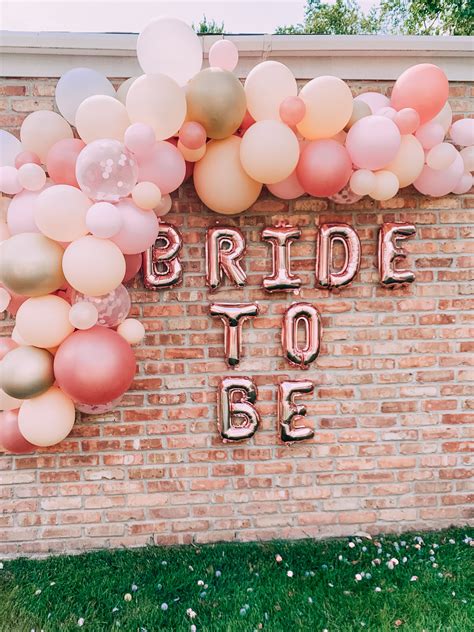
(216, 99)
(360, 109)
(26, 372)
(31, 264)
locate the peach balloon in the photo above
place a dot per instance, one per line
(407, 120)
(93, 266)
(441, 156)
(61, 160)
(31, 177)
(47, 419)
(292, 110)
(287, 189)
(101, 116)
(220, 180)
(386, 186)
(17, 338)
(224, 54)
(362, 182)
(83, 315)
(9, 403)
(41, 130)
(146, 195)
(191, 155)
(266, 86)
(9, 180)
(430, 134)
(424, 88)
(269, 151)
(329, 106)
(164, 207)
(409, 161)
(132, 330)
(60, 212)
(43, 321)
(26, 158)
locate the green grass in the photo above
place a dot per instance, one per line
(243, 587)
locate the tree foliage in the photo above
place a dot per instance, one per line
(208, 27)
(343, 17)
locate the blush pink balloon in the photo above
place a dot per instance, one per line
(372, 142)
(164, 166)
(374, 100)
(133, 263)
(20, 213)
(388, 112)
(192, 135)
(465, 184)
(324, 167)
(9, 182)
(462, 132)
(10, 436)
(104, 220)
(6, 345)
(407, 120)
(16, 301)
(287, 189)
(61, 160)
(292, 110)
(438, 182)
(223, 54)
(424, 88)
(247, 121)
(139, 228)
(430, 134)
(26, 158)
(139, 138)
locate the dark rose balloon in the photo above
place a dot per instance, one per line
(10, 436)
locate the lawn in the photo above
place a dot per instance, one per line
(409, 582)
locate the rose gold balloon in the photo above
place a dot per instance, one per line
(290, 414)
(161, 265)
(389, 252)
(305, 313)
(281, 238)
(237, 417)
(327, 236)
(133, 263)
(233, 315)
(26, 372)
(25, 158)
(61, 161)
(227, 261)
(10, 436)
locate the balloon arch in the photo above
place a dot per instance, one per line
(86, 202)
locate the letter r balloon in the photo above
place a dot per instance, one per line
(225, 248)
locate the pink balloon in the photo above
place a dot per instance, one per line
(9, 182)
(192, 135)
(6, 345)
(388, 112)
(223, 54)
(407, 120)
(16, 301)
(247, 121)
(139, 138)
(104, 220)
(164, 166)
(20, 217)
(373, 141)
(438, 182)
(61, 160)
(10, 436)
(133, 263)
(465, 184)
(112, 308)
(292, 110)
(424, 88)
(462, 132)
(25, 158)
(374, 100)
(430, 134)
(324, 167)
(139, 228)
(288, 189)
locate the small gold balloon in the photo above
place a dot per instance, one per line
(26, 372)
(216, 99)
(31, 264)
(360, 109)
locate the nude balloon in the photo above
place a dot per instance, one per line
(60, 212)
(288, 189)
(373, 142)
(164, 166)
(139, 228)
(441, 156)
(31, 177)
(47, 419)
(10, 436)
(424, 88)
(20, 213)
(462, 132)
(43, 321)
(407, 120)
(132, 330)
(329, 107)
(386, 186)
(61, 161)
(76, 85)
(83, 315)
(362, 181)
(430, 134)
(224, 54)
(146, 195)
(103, 220)
(439, 183)
(324, 168)
(9, 180)
(266, 86)
(41, 130)
(101, 116)
(409, 160)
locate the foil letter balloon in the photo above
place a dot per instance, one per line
(389, 252)
(280, 237)
(328, 235)
(225, 247)
(237, 417)
(161, 265)
(233, 315)
(291, 414)
(304, 313)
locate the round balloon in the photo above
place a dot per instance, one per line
(25, 158)
(133, 263)
(146, 195)
(26, 372)
(324, 168)
(93, 266)
(413, 86)
(75, 86)
(139, 228)
(47, 419)
(409, 160)
(61, 161)
(430, 134)
(407, 120)
(9, 403)
(169, 46)
(224, 54)
(20, 212)
(132, 330)
(112, 308)
(462, 132)
(30, 264)
(41, 130)
(101, 116)
(164, 166)
(83, 315)
(359, 110)
(216, 99)
(220, 180)
(288, 189)
(123, 89)
(440, 182)
(43, 321)
(362, 182)
(9, 180)
(139, 138)
(329, 106)
(10, 436)
(441, 156)
(103, 220)
(374, 100)
(266, 86)
(94, 366)
(10, 147)
(373, 141)
(192, 135)
(386, 185)
(6, 345)
(60, 212)
(31, 177)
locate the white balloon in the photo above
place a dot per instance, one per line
(10, 147)
(78, 84)
(171, 47)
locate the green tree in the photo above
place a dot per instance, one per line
(343, 17)
(208, 27)
(427, 17)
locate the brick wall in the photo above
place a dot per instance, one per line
(392, 411)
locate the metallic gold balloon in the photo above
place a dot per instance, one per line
(359, 110)
(26, 372)
(216, 99)
(31, 264)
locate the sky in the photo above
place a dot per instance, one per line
(239, 16)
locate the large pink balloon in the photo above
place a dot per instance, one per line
(20, 216)
(438, 182)
(164, 166)
(139, 228)
(61, 160)
(10, 436)
(324, 167)
(288, 189)
(373, 141)
(424, 88)
(94, 366)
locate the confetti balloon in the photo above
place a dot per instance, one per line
(112, 308)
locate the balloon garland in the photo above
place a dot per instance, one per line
(85, 209)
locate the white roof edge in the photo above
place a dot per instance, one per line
(364, 57)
